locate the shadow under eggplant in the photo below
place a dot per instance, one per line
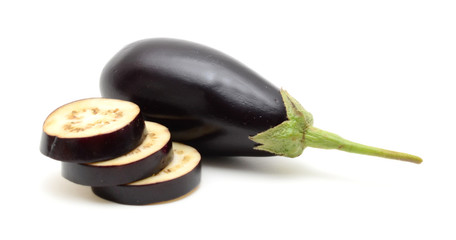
(273, 166)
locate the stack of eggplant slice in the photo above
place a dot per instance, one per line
(106, 144)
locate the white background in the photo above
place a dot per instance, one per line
(376, 72)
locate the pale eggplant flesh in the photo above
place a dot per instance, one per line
(179, 178)
(92, 130)
(150, 157)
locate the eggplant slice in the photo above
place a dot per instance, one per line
(91, 130)
(180, 177)
(150, 157)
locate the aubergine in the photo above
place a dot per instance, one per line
(150, 157)
(216, 104)
(179, 178)
(91, 130)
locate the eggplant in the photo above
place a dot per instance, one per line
(91, 130)
(180, 177)
(216, 104)
(150, 157)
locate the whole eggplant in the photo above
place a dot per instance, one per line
(215, 103)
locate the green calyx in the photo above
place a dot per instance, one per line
(287, 138)
(292, 136)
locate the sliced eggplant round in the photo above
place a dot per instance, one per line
(150, 157)
(91, 130)
(180, 177)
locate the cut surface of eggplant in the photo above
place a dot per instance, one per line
(178, 178)
(91, 130)
(150, 157)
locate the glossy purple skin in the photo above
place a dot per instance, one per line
(151, 193)
(96, 148)
(99, 176)
(207, 99)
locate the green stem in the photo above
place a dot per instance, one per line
(292, 136)
(318, 138)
